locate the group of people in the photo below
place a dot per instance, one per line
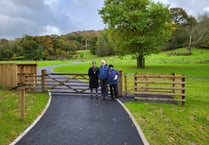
(105, 74)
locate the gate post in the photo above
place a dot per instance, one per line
(125, 85)
(22, 103)
(183, 90)
(120, 83)
(173, 82)
(43, 79)
(135, 85)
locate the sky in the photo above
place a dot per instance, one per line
(46, 17)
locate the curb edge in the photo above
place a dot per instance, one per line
(140, 133)
(33, 123)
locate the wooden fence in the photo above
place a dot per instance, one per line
(159, 87)
(163, 87)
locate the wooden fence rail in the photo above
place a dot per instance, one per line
(168, 87)
(159, 87)
(62, 82)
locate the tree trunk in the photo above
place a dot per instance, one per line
(140, 62)
(189, 50)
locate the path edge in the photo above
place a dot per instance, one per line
(34, 122)
(140, 133)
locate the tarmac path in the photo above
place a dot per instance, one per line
(79, 120)
(73, 119)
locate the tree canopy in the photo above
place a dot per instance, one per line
(139, 27)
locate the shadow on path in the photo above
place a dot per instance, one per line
(78, 120)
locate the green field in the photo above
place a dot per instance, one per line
(10, 124)
(166, 123)
(162, 123)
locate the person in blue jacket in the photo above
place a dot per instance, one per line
(103, 72)
(113, 76)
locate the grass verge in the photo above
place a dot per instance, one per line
(175, 124)
(10, 124)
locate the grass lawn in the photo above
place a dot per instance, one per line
(167, 123)
(175, 124)
(10, 124)
(162, 123)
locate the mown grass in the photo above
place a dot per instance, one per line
(162, 123)
(168, 123)
(175, 124)
(10, 124)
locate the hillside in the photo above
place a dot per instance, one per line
(83, 34)
(195, 65)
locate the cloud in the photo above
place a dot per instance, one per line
(21, 17)
(206, 9)
(48, 30)
(192, 7)
(37, 17)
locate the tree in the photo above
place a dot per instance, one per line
(102, 46)
(45, 46)
(7, 54)
(139, 27)
(202, 34)
(191, 27)
(92, 43)
(179, 16)
(179, 37)
(29, 47)
(185, 27)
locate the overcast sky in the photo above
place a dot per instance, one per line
(41, 17)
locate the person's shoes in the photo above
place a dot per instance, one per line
(97, 97)
(112, 99)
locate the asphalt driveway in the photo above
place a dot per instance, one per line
(79, 120)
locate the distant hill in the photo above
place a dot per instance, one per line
(84, 34)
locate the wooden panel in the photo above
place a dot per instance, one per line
(8, 77)
(26, 70)
(12, 74)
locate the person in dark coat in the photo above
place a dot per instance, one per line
(93, 79)
(112, 80)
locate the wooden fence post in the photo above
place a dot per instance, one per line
(173, 83)
(125, 85)
(22, 103)
(120, 84)
(147, 84)
(183, 90)
(43, 79)
(135, 85)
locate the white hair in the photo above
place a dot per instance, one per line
(103, 61)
